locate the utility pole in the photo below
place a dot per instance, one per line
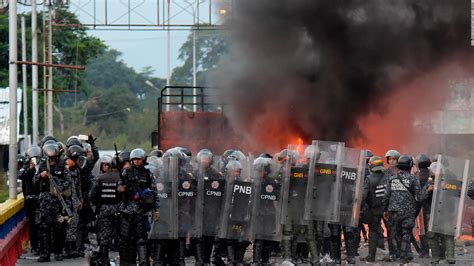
(13, 84)
(45, 70)
(25, 86)
(34, 72)
(168, 59)
(194, 62)
(50, 76)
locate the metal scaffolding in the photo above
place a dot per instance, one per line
(147, 14)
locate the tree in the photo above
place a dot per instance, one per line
(210, 45)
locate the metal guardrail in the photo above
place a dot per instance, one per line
(13, 230)
(186, 98)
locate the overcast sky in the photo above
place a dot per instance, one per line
(139, 48)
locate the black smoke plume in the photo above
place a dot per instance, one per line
(312, 69)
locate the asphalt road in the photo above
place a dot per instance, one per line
(464, 256)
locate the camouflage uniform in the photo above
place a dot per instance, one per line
(389, 172)
(50, 208)
(31, 193)
(133, 236)
(76, 197)
(403, 193)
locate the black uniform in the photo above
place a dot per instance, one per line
(402, 197)
(138, 199)
(105, 196)
(389, 172)
(51, 212)
(375, 186)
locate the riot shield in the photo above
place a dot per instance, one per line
(187, 199)
(166, 186)
(237, 218)
(352, 178)
(449, 193)
(268, 180)
(323, 193)
(155, 165)
(211, 188)
(96, 169)
(295, 180)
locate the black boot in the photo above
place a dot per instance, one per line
(257, 251)
(78, 251)
(142, 253)
(230, 253)
(68, 249)
(44, 258)
(58, 257)
(336, 249)
(442, 248)
(182, 251)
(199, 252)
(373, 243)
(351, 248)
(449, 240)
(104, 255)
(313, 250)
(157, 253)
(286, 246)
(44, 236)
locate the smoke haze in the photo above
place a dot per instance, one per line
(340, 70)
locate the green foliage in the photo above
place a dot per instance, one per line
(3, 187)
(115, 103)
(210, 45)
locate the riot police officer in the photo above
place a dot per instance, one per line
(124, 160)
(294, 225)
(402, 197)
(437, 241)
(212, 190)
(423, 163)
(31, 192)
(54, 183)
(373, 194)
(239, 215)
(269, 206)
(391, 157)
(137, 187)
(105, 163)
(187, 198)
(105, 196)
(74, 160)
